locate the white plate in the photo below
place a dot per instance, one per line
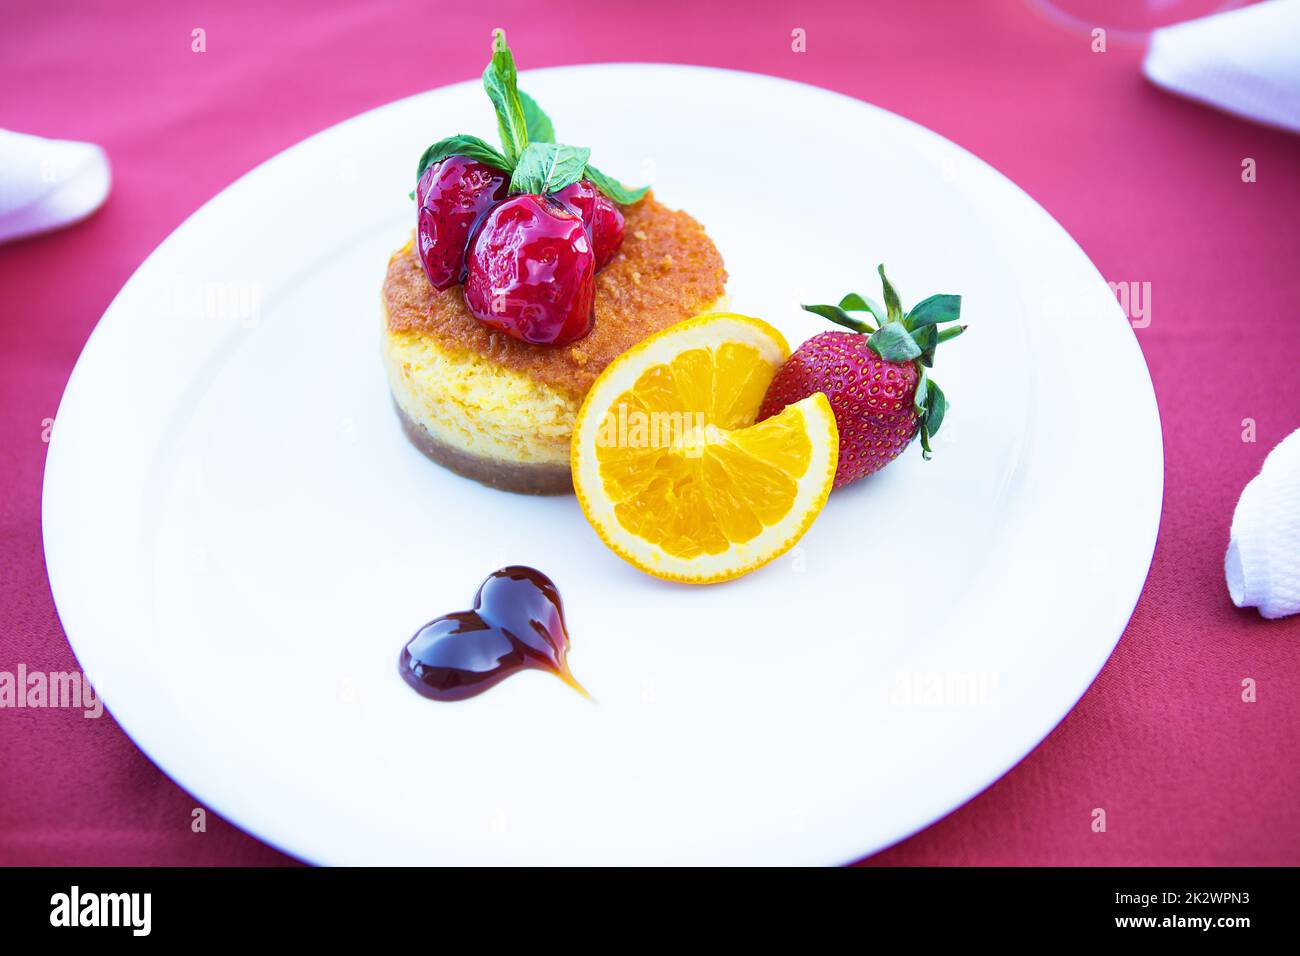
(240, 539)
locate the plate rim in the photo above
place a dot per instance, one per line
(926, 819)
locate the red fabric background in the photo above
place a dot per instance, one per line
(1149, 185)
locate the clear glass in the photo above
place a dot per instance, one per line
(1129, 19)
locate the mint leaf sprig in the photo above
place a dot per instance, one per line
(461, 145)
(529, 152)
(904, 337)
(548, 167)
(612, 188)
(540, 128)
(501, 83)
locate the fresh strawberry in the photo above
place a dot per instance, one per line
(876, 376)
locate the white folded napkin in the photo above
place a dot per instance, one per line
(1263, 562)
(48, 183)
(1245, 61)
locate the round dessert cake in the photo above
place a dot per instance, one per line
(500, 410)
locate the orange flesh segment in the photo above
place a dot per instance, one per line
(687, 471)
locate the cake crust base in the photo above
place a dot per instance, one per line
(520, 477)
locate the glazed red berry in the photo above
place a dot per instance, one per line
(453, 193)
(600, 214)
(532, 271)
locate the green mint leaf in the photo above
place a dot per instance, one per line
(925, 443)
(615, 190)
(501, 83)
(892, 306)
(893, 344)
(461, 145)
(548, 167)
(926, 339)
(860, 303)
(837, 314)
(935, 309)
(936, 408)
(540, 129)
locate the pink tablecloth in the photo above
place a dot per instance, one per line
(1150, 186)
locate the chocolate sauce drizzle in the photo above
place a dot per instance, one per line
(517, 622)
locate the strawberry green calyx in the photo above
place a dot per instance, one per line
(901, 337)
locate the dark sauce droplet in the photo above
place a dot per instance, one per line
(517, 622)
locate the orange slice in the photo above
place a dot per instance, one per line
(671, 469)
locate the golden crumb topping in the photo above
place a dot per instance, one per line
(667, 270)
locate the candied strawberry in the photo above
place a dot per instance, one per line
(600, 214)
(532, 271)
(453, 194)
